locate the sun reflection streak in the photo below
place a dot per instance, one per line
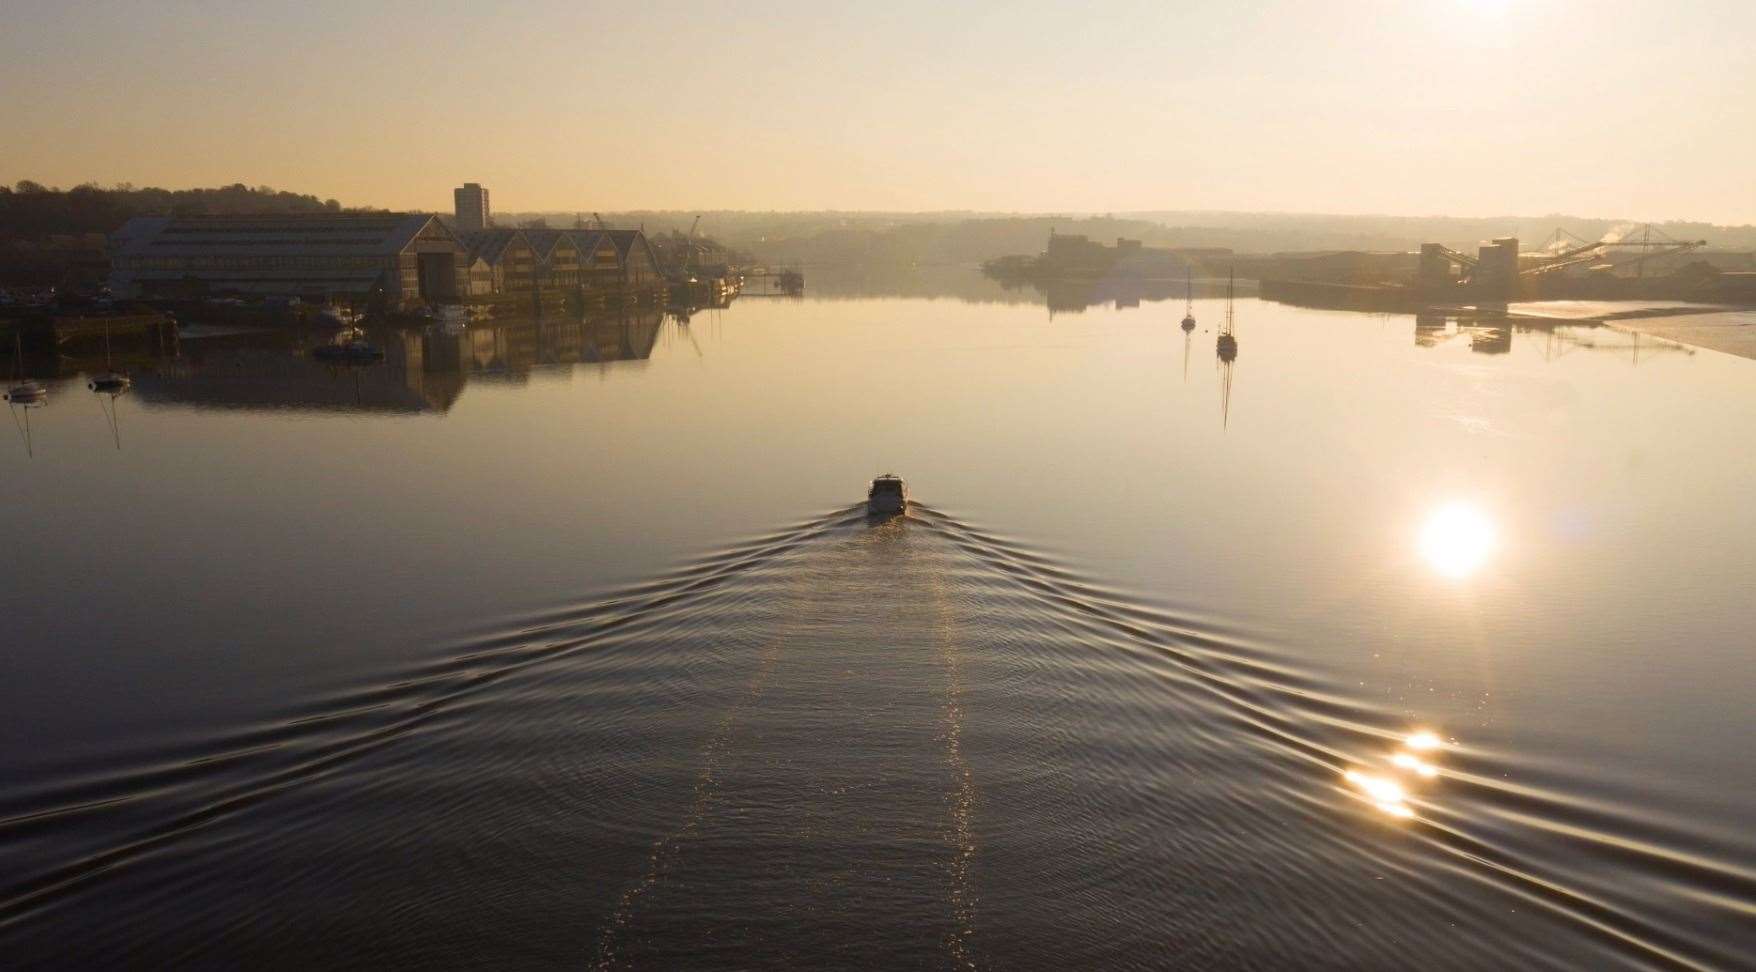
(1388, 791)
(1422, 740)
(1414, 764)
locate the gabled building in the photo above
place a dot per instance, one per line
(399, 260)
(487, 260)
(600, 262)
(539, 266)
(506, 261)
(558, 253)
(640, 268)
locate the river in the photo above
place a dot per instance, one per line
(1392, 643)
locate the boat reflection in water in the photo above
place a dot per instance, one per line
(422, 370)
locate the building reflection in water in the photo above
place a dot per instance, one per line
(1491, 331)
(1075, 296)
(424, 370)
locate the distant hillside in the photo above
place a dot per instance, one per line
(962, 238)
(30, 211)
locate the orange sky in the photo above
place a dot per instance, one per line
(1464, 107)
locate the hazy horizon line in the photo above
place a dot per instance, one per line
(964, 213)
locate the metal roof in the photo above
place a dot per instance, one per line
(314, 234)
(491, 244)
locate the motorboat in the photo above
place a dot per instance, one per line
(888, 496)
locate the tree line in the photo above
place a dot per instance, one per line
(30, 210)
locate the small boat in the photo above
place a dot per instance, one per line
(888, 496)
(1227, 343)
(23, 391)
(27, 393)
(349, 347)
(1189, 303)
(337, 316)
(110, 383)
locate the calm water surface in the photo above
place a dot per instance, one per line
(1393, 645)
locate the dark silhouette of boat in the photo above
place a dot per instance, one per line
(23, 391)
(888, 496)
(349, 347)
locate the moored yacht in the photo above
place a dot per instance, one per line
(27, 393)
(23, 391)
(888, 496)
(1188, 302)
(110, 383)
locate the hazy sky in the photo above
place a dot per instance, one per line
(1643, 110)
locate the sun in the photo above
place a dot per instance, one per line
(1457, 540)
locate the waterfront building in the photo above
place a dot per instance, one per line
(600, 259)
(502, 261)
(394, 260)
(545, 264)
(470, 202)
(1496, 273)
(1075, 253)
(1075, 256)
(640, 268)
(558, 252)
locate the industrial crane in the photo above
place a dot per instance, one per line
(1564, 249)
(1591, 252)
(689, 248)
(1461, 259)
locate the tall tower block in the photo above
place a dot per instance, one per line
(472, 207)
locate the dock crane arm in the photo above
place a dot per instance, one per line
(1461, 259)
(1588, 253)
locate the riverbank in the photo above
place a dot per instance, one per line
(1729, 330)
(1726, 331)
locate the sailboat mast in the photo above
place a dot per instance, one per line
(1231, 281)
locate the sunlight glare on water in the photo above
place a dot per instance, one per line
(1457, 539)
(1389, 790)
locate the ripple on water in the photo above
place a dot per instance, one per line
(910, 743)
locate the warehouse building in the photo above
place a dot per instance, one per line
(394, 260)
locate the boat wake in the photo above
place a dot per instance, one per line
(907, 741)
